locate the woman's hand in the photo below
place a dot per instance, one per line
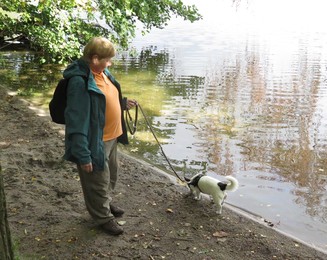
(87, 167)
(131, 103)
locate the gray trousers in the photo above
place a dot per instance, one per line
(97, 185)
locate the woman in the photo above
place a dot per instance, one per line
(94, 124)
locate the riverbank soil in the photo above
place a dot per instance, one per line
(48, 219)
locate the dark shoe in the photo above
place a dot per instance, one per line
(112, 228)
(116, 211)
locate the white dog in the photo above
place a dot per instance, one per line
(213, 187)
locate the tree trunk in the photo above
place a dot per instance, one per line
(6, 251)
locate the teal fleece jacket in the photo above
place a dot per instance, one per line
(85, 116)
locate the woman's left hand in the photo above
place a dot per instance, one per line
(131, 103)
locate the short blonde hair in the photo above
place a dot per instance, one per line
(99, 46)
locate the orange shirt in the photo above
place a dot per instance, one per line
(112, 128)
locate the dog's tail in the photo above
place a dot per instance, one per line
(232, 184)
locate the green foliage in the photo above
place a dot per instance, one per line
(59, 28)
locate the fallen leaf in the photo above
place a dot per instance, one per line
(169, 211)
(72, 239)
(220, 234)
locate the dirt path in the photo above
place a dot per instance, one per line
(48, 219)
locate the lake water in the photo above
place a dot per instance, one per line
(242, 92)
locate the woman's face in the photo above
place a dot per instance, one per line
(98, 65)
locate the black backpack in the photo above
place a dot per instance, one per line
(58, 102)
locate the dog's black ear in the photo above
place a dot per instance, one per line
(186, 179)
(222, 185)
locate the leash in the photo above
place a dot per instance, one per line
(132, 130)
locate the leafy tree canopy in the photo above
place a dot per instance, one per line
(59, 28)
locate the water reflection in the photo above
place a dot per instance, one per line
(20, 72)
